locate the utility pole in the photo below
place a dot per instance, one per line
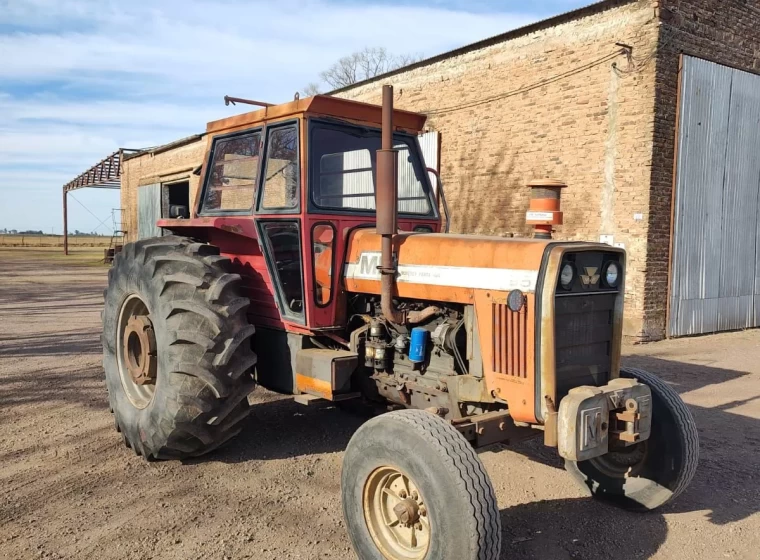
(65, 225)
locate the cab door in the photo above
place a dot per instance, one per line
(278, 219)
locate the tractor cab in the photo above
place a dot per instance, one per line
(298, 178)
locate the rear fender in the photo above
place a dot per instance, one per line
(206, 229)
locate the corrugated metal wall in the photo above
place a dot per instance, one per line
(715, 264)
(430, 144)
(360, 186)
(148, 211)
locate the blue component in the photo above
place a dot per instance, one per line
(418, 344)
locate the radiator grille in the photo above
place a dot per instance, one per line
(583, 338)
(510, 334)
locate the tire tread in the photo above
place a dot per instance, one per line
(687, 427)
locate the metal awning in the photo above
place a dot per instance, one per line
(106, 174)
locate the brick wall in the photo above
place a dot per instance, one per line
(167, 166)
(726, 32)
(559, 101)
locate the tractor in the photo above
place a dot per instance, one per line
(315, 263)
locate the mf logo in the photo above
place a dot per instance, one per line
(368, 263)
(591, 428)
(591, 278)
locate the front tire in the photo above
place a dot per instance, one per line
(176, 348)
(647, 475)
(413, 488)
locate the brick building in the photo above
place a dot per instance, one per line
(158, 174)
(590, 97)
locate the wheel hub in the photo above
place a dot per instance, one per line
(140, 350)
(407, 512)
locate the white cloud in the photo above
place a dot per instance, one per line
(80, 78)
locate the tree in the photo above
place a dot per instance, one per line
(312, 88)
(359, 66)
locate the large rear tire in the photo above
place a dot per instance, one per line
(176, 348)
(413, 488)
(647, 475)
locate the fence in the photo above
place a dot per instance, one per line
(20, 240)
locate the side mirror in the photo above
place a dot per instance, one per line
(179, 212)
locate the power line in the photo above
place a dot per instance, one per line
(100, 223)
(527, 88)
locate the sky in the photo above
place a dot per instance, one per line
(80, 79)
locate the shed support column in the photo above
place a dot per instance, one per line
(65, 226)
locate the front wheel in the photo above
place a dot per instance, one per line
(413, 488)
(647, 475)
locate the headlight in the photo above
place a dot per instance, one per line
(567, 276)
(612, 275)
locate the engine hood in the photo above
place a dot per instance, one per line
(446, 267)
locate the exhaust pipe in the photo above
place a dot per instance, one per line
(386, 204)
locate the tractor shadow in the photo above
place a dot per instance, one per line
(280, 428)
(578, 528)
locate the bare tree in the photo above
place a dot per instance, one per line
(361, 65)
(312, 88)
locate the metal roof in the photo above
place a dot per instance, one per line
(553, 21)
(106, 174)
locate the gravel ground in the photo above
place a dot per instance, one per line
(70, 489)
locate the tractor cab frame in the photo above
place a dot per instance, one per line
(285, 186)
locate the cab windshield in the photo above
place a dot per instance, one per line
(343, 170)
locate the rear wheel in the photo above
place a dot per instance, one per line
(647, 475)
(413, 488)
(176, 348)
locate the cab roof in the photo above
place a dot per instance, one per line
(320, 105)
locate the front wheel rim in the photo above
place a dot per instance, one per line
(396, 515)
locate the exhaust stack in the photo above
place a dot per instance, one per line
(386, 204)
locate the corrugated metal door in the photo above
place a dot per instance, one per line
(357, 189)
(715, 270)
(430, 145)
(148, 211)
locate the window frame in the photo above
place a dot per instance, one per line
(207, 174)
(332, 262)
(271, 262)
(259, 202)
(418, 162)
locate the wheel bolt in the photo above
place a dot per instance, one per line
(418, 526)
(414, 494)
(423, 511)
(402, 494)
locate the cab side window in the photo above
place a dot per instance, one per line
(281, 175)
(233, 174)
(284, 248)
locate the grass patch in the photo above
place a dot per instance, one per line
(78, 256)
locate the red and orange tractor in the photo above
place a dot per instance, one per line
(313, 265)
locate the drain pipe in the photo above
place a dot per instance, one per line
(386, 204)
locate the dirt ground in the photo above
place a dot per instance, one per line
(70, 489)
